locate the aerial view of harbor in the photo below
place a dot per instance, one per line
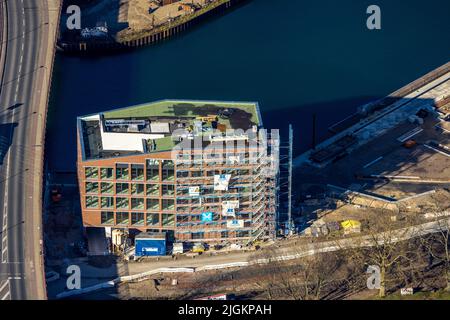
(250, 151)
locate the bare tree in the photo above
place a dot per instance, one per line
(386, 246)
(306, 278)
(438, 246)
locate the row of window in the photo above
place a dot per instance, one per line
(126, 188)
(137, 219)
(185, 156)
(212, 173)
(95, 202)
(133, 172)
(214, 235)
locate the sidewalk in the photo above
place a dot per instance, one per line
(51, 14)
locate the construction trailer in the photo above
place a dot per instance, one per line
(150, 244)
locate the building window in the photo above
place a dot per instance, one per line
(197, 174)
(152, 219)
(168, 204)
(137, 188)
(123, 218)
(107, 173)
(107, 187)
(107, 202)
(122, 188)
(137, 203)
(224, 234)
(91, 187)
(121, 203)
(91, 172)
(242, 234)
(122, 172)
(152, 204)
(107, 218)
(168, 171)
(182, 174)
(168, 220)
(137, 218)
(181, 201)
(153, 189)
(184, 191)
(137, 172)
(198, 235)
(91, 202)
(182, 218)
(168, 189)
(153, 170)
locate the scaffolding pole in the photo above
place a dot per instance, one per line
(291, 139)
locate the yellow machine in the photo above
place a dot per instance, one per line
(198, 248)
(209, 118)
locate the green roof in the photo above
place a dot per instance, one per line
(184, 108)
(164, 144)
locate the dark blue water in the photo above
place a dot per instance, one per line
(295, 57)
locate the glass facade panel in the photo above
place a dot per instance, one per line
(91, 202)
(137, 218)
(107, 173)
(107, 218)
(91, 172)
(121, 203)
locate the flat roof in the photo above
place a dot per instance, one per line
(106, 134)
(246, 113)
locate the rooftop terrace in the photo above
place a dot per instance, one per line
(148, 128)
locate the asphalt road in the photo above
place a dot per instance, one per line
(19, 114)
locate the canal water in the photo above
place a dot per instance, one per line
(295, 57)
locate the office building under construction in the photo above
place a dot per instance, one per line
(200, 171)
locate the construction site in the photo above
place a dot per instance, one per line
(177, 173)
(390, 164)
(393, 155)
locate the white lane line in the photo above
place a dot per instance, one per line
(8, 168)
(14, 278)
(438, 126)
(5, 296)
(372, 162)
(4, 286)
(438, 151)
(410, 134)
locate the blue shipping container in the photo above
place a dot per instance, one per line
(150, 247)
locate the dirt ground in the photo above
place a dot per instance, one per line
(253, 283)
(123, 16)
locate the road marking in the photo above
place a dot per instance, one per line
(6, 284)
(8, 168)
(438, 126)
(3, 286)
(372, 162)
(437, 150)
(410, 134)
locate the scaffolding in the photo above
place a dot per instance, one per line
(231, 197)
(284, 209)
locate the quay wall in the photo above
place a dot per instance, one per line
(149, 37)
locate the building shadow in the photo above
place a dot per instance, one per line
(6, 138)
(392, 152)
